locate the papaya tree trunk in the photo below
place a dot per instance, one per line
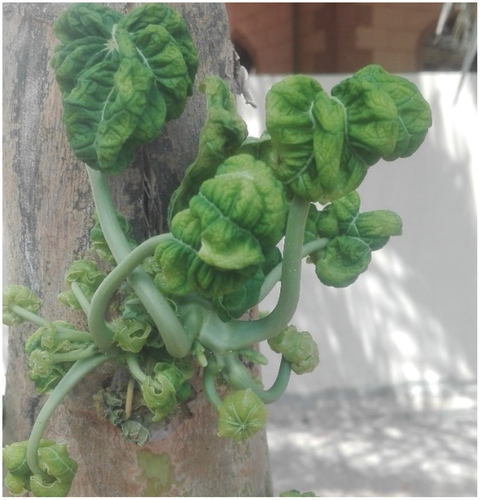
(48, 209)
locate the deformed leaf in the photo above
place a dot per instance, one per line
(325, 145)
(221, 136)
(298, 348)
(414, 114)
(342, 261)
(18, 295)
(231, 226)
(122, 78)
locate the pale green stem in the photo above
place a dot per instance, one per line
(80, 296)
(156, 308)
(209, 388)
(239, 377)
(64, 333)
(275, 274)
(72, 335)
(177, 342)
(79, 370)
(134, 367)
(237, 335)
(29, 316)
(137, 373)
(65, 357)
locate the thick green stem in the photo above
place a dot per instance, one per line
(158, 309)
(135, 369)
(209, 375)
(177, 342)
(237, 335)
(29, 316)
(275, 274)
(239, 377)
(63, 333)
(79, 370)
(65, 357)
(80, 296)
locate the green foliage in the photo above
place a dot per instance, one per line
(241, 415)
(220, 242)
(221, 137)
(58, 470)
(298, 348)
(88, 278)
(51, 351)
(353, 237)
(21, 296)
(164, 389)
(121, 77)
(131, 334)
(326, 144)
(99, 243)
(176, 297)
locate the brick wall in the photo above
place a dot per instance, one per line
(332, 37)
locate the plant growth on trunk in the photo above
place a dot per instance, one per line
(173, 302)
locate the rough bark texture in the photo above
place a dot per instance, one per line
(47, 216)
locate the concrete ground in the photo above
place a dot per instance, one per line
(404, 441)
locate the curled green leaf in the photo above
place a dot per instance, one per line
(16, 485)
(99, 243)
(298, 348)
(58, 470)
(342, 261)
(40, 363)
(88, 277)
(18, 295)
(122, 77)
(221, 136)
(241, 415)
(325, 144)
(226, 234)
(413, 112)
(131, 334)
(159, 395)
(353, 236)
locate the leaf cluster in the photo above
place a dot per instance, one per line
(51, 351)
(353, 236)
(87, 276)
(325, 145)
(18, 296)
(58, 470)
(122, 77)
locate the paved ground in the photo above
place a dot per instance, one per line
(408, 441)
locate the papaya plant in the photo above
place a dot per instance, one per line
(164, 307)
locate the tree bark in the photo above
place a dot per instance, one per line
(48, 211)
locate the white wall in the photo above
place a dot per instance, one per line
(412, 316)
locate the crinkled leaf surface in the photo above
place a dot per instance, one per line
(353, 236)
(122, 77)
(221, 240)
(18, 295)
(325, 144)
(241, 211)
(413, 112)
(221, 136)
(298, 348)
(53, 460)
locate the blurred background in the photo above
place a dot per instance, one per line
(391, 410)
